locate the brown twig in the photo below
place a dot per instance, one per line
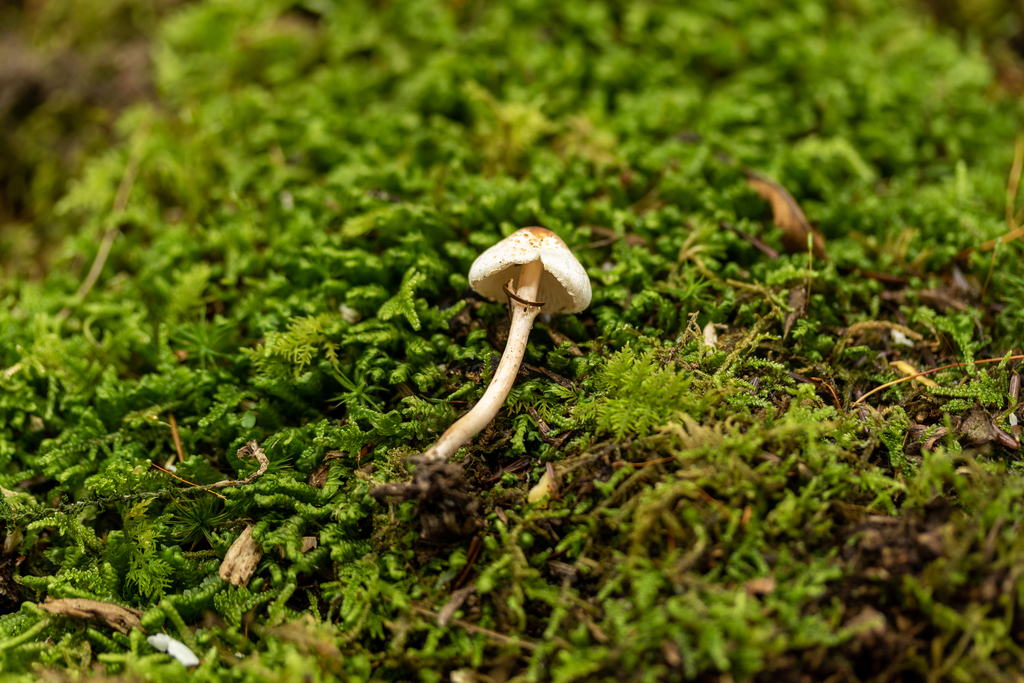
(176, 437)
(511, 295)
(831, 391)
(499, 638)
(929, 372)
(711, 500)
(1012, 184)
(186, 481)
(251, 449)
(474, 551)
(545, 431)
(761, 246)
(623, 463)
(562, 381)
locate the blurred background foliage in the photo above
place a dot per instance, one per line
(67, 69)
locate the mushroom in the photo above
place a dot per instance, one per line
(533, 268)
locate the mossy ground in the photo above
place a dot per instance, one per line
(290, 221)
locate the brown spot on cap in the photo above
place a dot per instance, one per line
(540, 232)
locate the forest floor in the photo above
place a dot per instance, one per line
(784, 438)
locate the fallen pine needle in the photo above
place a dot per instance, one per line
(907, 369)
(186, 481)
(1016, 231)
(929, 372)
(831, 391)
(500, 638)
(177, 437)
(623, 463)
(711, 500)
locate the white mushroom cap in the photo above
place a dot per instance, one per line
(564, 286)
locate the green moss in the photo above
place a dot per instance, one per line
(290, 265)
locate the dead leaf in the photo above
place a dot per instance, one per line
(670, 651)
(868, 624)
(454, 603)
(121, 619)
(798, 302)
(240, 562)
(909, 370)
(318, 477)
(978, 428)
(308, 543)
(544, 487)
(710, 335)
(762, 585)
(788, 216)
(917, 433)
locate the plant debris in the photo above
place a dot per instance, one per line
(788, 216)
(445, 508)
(176, 649)
(121, 619)
(241, 560)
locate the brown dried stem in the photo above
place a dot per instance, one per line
(929, 372)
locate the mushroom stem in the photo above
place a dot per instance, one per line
(466, 427)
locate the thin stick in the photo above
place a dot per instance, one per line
(1011, 198)
(250, 449)
(623, 463)
(512, 295)
(473, 628)
(186, 481)
(764, 248)
(1013, 184)
(831, 391)
(710, 500)
(474, 551)
(177, 437)
(929, 372)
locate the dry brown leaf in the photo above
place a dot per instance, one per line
(909, 370)
(318, 477)
(670, 651)
(978, 427)
(444, 616)
(240, 562)
(788, 216)
(797, 301)
(762, 585)
(868, 623)
(121, 619)
(710, 335)
(544, 487)
(308, 543)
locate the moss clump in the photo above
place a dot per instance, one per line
(289, 230)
